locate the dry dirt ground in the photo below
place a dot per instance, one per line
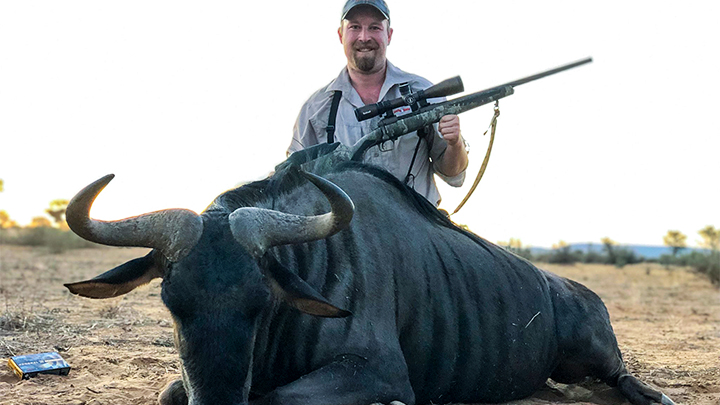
(121, 349)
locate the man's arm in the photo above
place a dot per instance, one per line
(454, 161)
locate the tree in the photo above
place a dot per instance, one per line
(711, 240)
(513, 244)
(562, 253)
(5, 221)
(609, 246)
(516, 246)
(711, 237)
(675, 240)
(40, 222)
(57, 211)
(560, 245)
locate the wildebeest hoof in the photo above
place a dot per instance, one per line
(666, 401)
(173, 394)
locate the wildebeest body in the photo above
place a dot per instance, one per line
(438, 314)
(466, 320)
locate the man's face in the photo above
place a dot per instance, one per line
(365, 35)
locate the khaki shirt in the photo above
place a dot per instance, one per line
(394, 157)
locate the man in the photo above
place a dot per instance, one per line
(368, 78)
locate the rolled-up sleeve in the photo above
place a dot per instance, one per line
(437, 150)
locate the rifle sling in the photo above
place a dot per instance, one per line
(330, 129)
(493, 125)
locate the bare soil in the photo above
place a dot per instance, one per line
(121, 350)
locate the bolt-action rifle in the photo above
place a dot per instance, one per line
(424, 113)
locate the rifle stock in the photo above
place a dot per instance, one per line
(412, 122)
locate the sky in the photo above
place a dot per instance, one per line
(184, 100)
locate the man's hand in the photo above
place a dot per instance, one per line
(449, 127)
(454, 160)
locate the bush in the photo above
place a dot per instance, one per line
(515, 246)
(704, 262)
(593, 257)
(565, 255)
(525, 253)
(623, 256)
(561, 255)
(54, 239)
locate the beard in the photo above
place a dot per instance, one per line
(365, 61)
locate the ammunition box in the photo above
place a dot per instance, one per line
(31, 365)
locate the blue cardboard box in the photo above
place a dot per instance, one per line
(31, 365)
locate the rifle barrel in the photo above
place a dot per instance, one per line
(399, 126)
(548, 72)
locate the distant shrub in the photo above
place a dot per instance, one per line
(525, 253)
(623, 256)
(516, 246)
(560, 255)
(614, 254)
(668, 260)
(593, 257)
(713, 271)
(710, 265)
(56, 240)
(705, 262)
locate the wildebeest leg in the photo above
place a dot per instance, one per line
(173, 394)
(588, 347)
(351, 380)
(639, 393)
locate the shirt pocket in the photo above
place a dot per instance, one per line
(319, 125)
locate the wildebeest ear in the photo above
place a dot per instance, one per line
(120, 280)
(289, 287)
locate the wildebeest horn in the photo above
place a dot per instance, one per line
(174, 232)
(258, 229)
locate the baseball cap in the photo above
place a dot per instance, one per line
(380, 5)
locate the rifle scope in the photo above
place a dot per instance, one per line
(445, 88)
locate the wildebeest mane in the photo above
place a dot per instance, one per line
(264, 192)
(287, 177)
(418, 202)
(422, 205)
(258, 193)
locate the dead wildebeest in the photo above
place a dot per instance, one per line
(432, 313)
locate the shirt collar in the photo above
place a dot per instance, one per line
(393, 76)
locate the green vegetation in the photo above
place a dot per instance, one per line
(611, 253)
(516, 246)
(56, 240)
(705, 261)
(563, 253)
(41, 231)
